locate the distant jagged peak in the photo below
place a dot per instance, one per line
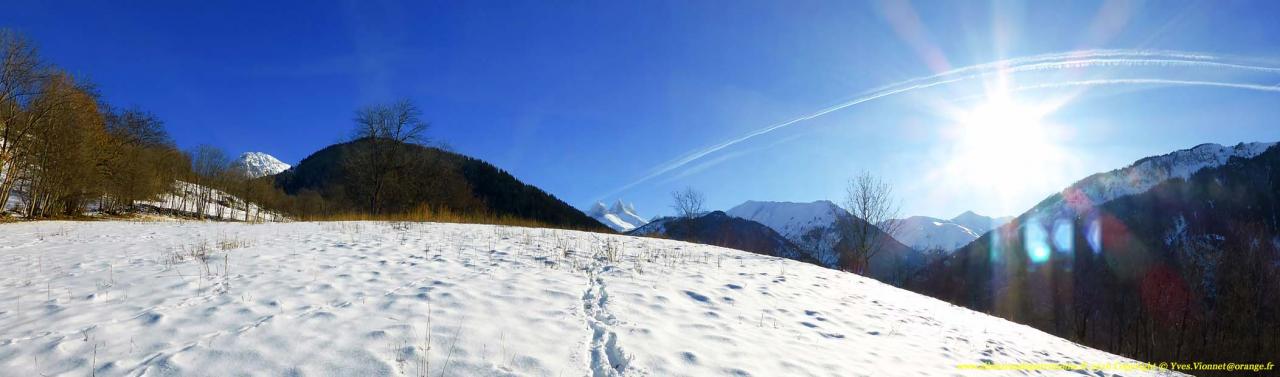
(621, 207)
(621, 216)
(598, 209)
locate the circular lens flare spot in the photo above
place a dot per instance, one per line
(1063, 236)
(1035, 240)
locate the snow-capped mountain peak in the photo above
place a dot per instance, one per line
(790, 219)
(258, 164)
(809, 225)
(626, 208)
(621, 216)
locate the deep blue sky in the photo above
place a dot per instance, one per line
(581, 98)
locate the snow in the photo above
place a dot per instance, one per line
(184, 200)
(363, 298)
(13, 203)
(809, 225)
(621, 217)
(258, 164)
(922, 233)
(790, 219)
(979, 224)
(224, 206)
(1149, 172)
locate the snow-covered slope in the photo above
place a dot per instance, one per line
(378, 299)
(1151, 171)
(621, 217)
(185, 200)
(258, 164)
(10, 204)
(922, 233)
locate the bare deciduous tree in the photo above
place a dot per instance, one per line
(21, 76)
(385, 129)
(210, 166)
(400, 121)
(875, 219)
(141, 162)
(59, 158)
(687, 203)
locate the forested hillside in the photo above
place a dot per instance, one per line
(337, 180)
(1188, 268)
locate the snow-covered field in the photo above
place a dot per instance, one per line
(372, 299)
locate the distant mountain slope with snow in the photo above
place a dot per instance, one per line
(397, 299)
(258, 164)
(1144, 174)
(791, 219)
(621, 217)
(812, 227)
(979, 224)
(1134, 245)
(926, 233)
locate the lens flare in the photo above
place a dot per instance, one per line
(1063, 236)
(1094, 235)
(1035, 240)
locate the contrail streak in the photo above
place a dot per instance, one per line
(1264, 88)
(1044, 62)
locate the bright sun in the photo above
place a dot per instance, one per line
(1003, 145)
(1000, 127)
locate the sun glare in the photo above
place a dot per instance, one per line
(1000, 127)
(1003, 145)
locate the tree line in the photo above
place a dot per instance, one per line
(64, 151)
